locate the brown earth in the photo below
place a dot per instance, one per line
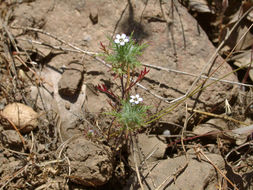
(57, 41)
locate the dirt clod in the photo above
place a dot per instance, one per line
(90, 163)
(71, 80)
(11, 139)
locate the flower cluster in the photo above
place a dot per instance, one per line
(121, 39)
(135, 99)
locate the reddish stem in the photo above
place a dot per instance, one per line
(104, 89)
(140, 77)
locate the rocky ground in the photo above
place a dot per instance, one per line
(49, 101)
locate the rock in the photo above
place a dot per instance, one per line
(91, 164)
(219, 127)
(150, 146)
(3, 102)
(47, 101)
(212, 125)
(198, 175)
(192, 58)
(22, 116)
(69, 112)
(11, 139)
(71, 80)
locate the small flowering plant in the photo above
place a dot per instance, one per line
(129, 110)
(124, 54)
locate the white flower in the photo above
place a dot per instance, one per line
(135, 99)
(121, 39)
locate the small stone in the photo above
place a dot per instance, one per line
(22, 116)
(67, 106)
(71, 80)
(11, 139)
(166, 132)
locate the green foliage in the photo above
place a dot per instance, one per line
(131, 115)
(125, 56)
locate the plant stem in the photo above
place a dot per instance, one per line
(128, 76)
(122, 86)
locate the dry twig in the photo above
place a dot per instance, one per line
(219, 48)
(10, 178)
(218, 116)
(134, 147)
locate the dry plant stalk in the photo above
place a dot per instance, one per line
(9, 178)
(218, 116)
(36, 75)
(134, 147)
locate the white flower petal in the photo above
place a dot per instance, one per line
(140, 99)
(126, 40)
(133, 97)
(122, 43)
(123, 36)
(131, 101)
(136, 102)
(117, 41)
(137, 95)
(118, 36)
